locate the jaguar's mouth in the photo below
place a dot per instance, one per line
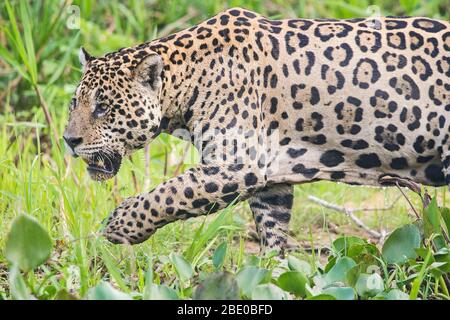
(103, 166)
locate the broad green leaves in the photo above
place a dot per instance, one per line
(161, 292)
(268, 291)
(153, 291)
(395, 294)
(341, 245)
(217, 286)
(294, 282)
(369, 285)
(338, 272)
(340, 293)
(219, 255)
(445, 212)
(355, 269)
(401, 244)
(104, 291)
(296, 264)
(28, 244)
(18, 287)
(249, 277)
(182, 266)
(431, 219)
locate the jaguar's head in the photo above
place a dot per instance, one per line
(115, 110)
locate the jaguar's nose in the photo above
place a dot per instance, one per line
(72, 142)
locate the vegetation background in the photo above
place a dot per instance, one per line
(39, 69)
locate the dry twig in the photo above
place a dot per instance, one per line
(349, 213)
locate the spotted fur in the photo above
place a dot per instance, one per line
(291, 101)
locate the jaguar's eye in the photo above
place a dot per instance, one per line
(73, 104)
(100, 109)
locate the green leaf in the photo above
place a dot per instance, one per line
(18, 288)
(331, 262)
(445, 259)
(338, 272)
(420, 277)
(435, 269)
(322, 297)
(439, 242)
(63, 294)
(352, 276)
(340, 293)
(268, 291)
(28, 37)
(401, 244)
(294, 282)
(249, 277)
(208, 231)
(431, 219)
(445, 213)
(295, 264)
(369, 285)
(364, 253)
(182, 266)
(104, 291)
(14, 36)
(161, 292)
(341, 245)
(28, 245)
(148, 279)
(219, 255)
(396, 294)
(217, 286)
(252, 260)
(113, 270)
(423, 252)
(6, 56)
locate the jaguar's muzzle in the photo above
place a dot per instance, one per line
(103, 166)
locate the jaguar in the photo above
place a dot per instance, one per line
(268, 104)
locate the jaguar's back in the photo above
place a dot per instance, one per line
(353, 100)
(348, 100)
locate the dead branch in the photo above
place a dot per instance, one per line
(349, 213)
(411, 185)
(407, 200)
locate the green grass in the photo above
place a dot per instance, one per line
(39, 71)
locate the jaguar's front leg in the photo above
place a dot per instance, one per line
(201, 190)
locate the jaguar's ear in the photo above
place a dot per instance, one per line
(148, 71)
(84, 57)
